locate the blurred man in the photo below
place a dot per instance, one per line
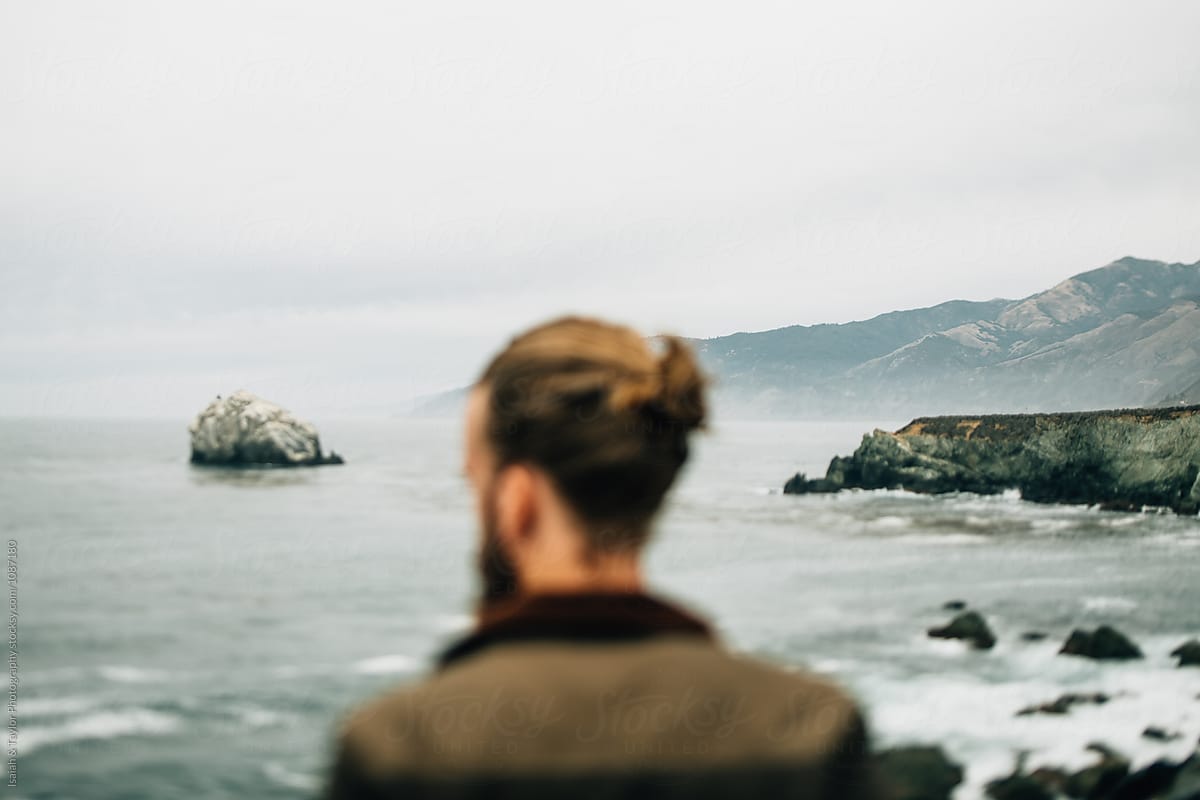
(576, 681)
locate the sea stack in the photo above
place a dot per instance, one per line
(1125, 459)
(242, 429)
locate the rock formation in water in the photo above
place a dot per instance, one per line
(917, 772)
(1064, 703)
(970, 626)
(1125, 459)
(244, 430)
(1106, 643)
(1188, 653)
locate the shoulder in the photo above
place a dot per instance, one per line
(380, 733)
(635, 697)
(812, 713)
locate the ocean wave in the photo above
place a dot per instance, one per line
(99, 725)
(253, 716)
(56, 706)
(300, 781)
(975, 718)
(452, 622)
(943, 538)
(1107, 603)
(121, 673)
(386, 665)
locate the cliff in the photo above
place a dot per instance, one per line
(1122, 459)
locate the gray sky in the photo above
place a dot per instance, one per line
(341, 205)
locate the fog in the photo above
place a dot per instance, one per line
(343, 206)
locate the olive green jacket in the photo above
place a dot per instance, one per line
(603, 695)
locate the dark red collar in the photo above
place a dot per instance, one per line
(591, 616)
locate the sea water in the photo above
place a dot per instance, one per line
(196, 632)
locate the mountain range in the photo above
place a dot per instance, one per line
(1124, 335)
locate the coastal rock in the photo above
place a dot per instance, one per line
(1099, 779)
(1159, 734)
(243, 430)
(1051, 778)
(918, 772)
(1063, 704)
(1108, 779)
(1188, 653)
(969, 625)
(1150, 781)
(1103, 644)
(1018, 787)
(1122, 460)
(1186, 785)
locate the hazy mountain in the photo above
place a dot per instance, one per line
(451, 403)
(1190, 396)
(1127, 334)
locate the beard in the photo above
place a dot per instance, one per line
(496, 569)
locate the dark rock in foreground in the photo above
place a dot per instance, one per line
(969, 625)
(1153, 780)
(1124, 459)
(1100, 778)
(1018, 787)
(1105, 644)
(1188, 653)
(918, 772)
(1186, 785)
(1108, 779)
(245, 430)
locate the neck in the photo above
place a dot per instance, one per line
(609, 572)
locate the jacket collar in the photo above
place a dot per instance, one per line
(579, 617)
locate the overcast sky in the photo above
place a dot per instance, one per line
(342, 205)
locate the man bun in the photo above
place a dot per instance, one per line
(604, 411)
(682, 384)
(670, 385)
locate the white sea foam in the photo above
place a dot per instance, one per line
(120, 673)
(1052, 525)
(99, 725)
(452, 622)
(943, 538)
(300, 781)
(258, 717)
(386, 665)
(1106, 603)
(969, 706)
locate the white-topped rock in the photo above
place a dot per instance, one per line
(244, 429)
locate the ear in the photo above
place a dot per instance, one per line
(516, 504)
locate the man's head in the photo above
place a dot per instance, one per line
(575, 432)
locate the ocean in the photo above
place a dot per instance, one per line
(191, 632)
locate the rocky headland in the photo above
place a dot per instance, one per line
(242, 429)
(1125, 459)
